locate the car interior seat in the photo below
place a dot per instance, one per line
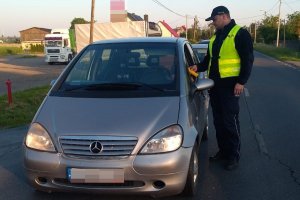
(155, 73)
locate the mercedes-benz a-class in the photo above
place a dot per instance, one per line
(124, 116)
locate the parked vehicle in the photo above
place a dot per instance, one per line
(204, 42)
(200, 50)
(124, 117)
(58, 46)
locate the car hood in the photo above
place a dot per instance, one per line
(138, 117)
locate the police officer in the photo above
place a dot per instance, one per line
(229, 62)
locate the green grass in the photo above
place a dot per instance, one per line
(28, 56)
(23, 108)
(7, 50)
(280, 53)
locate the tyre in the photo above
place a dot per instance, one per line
(69, 58)
(50, 63)
(190, 188)
(205, 131)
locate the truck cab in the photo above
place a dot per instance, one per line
(58, 47)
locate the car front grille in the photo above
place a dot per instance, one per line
(53, 50)
(126, 184)
(95, 147)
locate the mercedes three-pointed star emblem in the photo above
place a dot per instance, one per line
(96, 147)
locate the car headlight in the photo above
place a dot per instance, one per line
(168, 139)
(38, 138)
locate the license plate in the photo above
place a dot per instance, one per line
(76, 175)
(53, 59)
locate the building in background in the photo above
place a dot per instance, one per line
(117, 11)
(119, 14)
(33, 36)
(166, 30)
(180, 30)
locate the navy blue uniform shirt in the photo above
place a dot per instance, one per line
(244, 47)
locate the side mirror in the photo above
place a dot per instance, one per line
(203, 84)
(52, 82)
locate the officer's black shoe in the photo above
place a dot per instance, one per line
(218, 157)
(231, 164)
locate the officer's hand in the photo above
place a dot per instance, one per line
(194, 68)
(238, 89)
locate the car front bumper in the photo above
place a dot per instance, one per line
(155, 175)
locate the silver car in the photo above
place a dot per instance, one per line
(200, 50)
(124, 116)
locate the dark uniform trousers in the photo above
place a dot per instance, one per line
(225, 108)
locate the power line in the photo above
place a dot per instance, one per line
(297, 1)
(268, 11)
(289, 6)
(250, 17)
(162, 5)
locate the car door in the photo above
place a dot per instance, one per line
(196, 99)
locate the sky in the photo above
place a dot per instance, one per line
(17, 15)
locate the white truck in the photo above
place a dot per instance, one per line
(58, 47)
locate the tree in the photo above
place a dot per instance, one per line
(293, 24)
(268, 29)
(268, 33)
(78, 21)
(270, 21)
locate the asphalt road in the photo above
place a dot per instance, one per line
(26, 73)
(269, 166)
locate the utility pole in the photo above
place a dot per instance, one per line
(92, 22)
(255, 32)
(186, 24)
(250, 29)
(146, 19)
(277, 43)
(195, 27)
(283, 32)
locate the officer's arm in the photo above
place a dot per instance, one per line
(244, 48)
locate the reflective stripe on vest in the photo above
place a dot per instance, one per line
(229, 59)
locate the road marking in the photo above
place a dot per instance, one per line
(278, 61)
(246, 92)
(291, 66)
(260, 140)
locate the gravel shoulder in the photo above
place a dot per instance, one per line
(26, 72)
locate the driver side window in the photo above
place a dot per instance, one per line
(190, 60)
(66, 42)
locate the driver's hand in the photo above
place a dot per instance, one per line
(193, 72)
(194, 68)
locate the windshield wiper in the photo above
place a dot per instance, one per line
(113, 86)
(139, 84)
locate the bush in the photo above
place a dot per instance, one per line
(7, 50)
(36, 48)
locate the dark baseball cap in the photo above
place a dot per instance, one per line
(217, 11)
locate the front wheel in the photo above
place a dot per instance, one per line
(205, 131)
(192, 176)
(69, 59)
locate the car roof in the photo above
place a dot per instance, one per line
(200, 46)
(204, 42)
(141, 39)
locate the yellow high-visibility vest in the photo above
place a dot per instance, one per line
(229, 59)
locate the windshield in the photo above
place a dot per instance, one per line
(139, 67)
(200, 52)
(53, 43)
